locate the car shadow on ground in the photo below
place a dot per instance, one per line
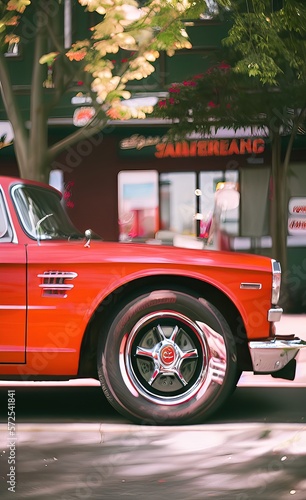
(52, 404)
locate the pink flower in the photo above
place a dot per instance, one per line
(189, 83)
(175, 89)
(212, 104)
(171, 100)
(199, 76)
(224, 65)
(162, 104)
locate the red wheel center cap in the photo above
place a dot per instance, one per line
(167, 355)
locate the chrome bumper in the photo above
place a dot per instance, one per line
(270, 356)
(275, 314)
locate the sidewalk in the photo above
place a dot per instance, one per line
(228, 462)
(292, 323)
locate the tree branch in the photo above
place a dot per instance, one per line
(84, 133)
(14, 114)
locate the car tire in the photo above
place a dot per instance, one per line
(167, 358)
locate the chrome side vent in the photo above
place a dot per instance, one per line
(250, 286)
(54, 283)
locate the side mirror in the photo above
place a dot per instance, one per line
(88, 236)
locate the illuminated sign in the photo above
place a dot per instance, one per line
(210, 147)
(297, 216)
(83, 115)
(297, 206)
(296, 225)
(160, 148)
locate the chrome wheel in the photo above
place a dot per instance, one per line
(167, 358)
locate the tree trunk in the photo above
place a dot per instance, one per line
(37, 163)
(279, 214)
(13, 113)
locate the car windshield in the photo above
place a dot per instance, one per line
(42, 214)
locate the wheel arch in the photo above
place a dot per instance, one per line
(115, 300)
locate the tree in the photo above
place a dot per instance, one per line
(124, 43)
(265, 85)
(271, 42)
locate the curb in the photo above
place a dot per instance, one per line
(148, 429)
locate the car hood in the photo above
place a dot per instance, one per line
(101, 251)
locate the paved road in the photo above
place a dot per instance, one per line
(70, 444)
(111, 462)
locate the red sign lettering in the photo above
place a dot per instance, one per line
(209, 147)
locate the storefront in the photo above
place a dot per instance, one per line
(135, 184)
(127, 183)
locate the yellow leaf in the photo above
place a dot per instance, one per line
(48, 58)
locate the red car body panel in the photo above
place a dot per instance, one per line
(42, 333)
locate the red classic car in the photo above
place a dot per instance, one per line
(166, 330)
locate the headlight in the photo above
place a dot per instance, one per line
(276, 281)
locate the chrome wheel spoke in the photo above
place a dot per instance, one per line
(143, 351)
(174, 333)
(154, 376)
(190, 354)
(160, 331)
(181, 377)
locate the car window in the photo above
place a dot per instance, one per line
(42, 215)
(5, 229)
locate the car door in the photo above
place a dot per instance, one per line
(13, 299)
